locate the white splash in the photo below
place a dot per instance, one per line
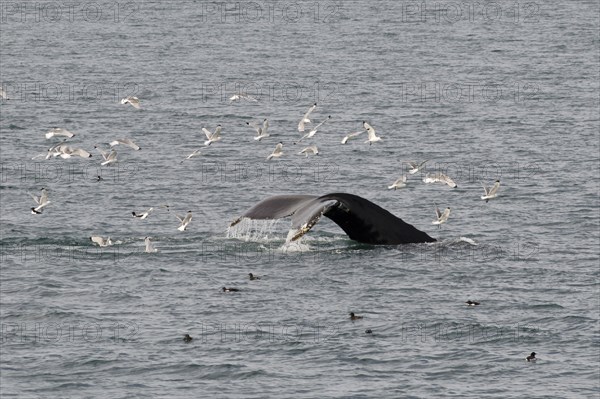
(252, 230)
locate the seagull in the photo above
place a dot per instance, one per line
(305, 118)
(372, 136)
(142, 215)
(126, 142)
(240, 96)
(108, 158)
(149, 247)
(313, 131)
(415, 167)
(354, 317)
(399, 183)
(134, 101)
(261, 131)
(193, 154)
(57, 131)
(212, 137)
(277, 152)
(439, 178)
(310, 150)
(187, 338)
(68, 152)
(471, 303)
(441, 217)
(3, 94)
(531, 358)
(41, 202)
(351, 135)
(253, 277)
(65, 151)
(185, 220)
(101, 241)
(54, 151)
(230, 289)
(492, 192)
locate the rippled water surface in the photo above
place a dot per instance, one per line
(504, 91)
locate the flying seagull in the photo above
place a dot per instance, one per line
(149, 247)
(212, 137)
(439, 178)
(193, 154)
(134, 101)
(109, 158)
(351, 136)
(261, 131)
(313, 131)
(415, 167)
(492, 192)
(277, 152)
(41, 202)
(57, 131)
(372, 136)
(310, 150)
(184, 220)
(126, 142)
(441, 217)
(305, 118)
(143, 215)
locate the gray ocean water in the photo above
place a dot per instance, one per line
(484, 91)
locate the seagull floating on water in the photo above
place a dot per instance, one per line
(439, 178)
(372, 136)
(3, 94)
(225, 289)
(212, 137)
(261, 131)
(102, 242)
(126, 142)
(143, 215)
(253, 277)
(441, 217)
(241, 96)
(313, 149)
(41, 202)
(185, 220)
(305, 118)
(471, 303)
(149, 247)
(57, 131)
(277, 152)
(401, 182)
(134, 101)
(492, 192)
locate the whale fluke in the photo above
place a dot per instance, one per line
(361, 219)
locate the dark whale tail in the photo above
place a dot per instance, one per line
(361, 219)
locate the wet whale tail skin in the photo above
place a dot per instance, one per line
(369, 223)
(362, 220)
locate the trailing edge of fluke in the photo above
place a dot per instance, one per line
(361, 219)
